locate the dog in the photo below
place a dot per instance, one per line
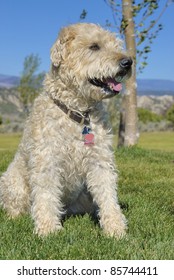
(64, 164)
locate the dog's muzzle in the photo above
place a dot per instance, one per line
(112, 85)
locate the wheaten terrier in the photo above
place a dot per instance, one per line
(64, 163)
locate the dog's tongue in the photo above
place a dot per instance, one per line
(114, 85)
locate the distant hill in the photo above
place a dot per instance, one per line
(10, 106)
(8, 81)
(155, 85)
(145, 86)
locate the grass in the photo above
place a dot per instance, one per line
(9, 141)
(149, 140)
(146, 195)
(157, 141)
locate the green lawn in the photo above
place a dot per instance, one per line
(157, 141)
(149, 140)
(9, 141)
(146, 194)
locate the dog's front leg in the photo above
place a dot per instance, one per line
(102, 186)
(47, 208)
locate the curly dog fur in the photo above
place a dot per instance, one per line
(53, 173)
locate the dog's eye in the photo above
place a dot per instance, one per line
(94, 47)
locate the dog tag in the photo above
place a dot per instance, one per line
(89, 139)
(86, 130)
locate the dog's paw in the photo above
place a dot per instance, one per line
(43, 231)
(117, 231)
(116, 228)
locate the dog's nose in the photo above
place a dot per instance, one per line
(126, 63)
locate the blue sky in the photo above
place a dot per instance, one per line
(31, 26)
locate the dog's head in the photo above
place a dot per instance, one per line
(90, 60)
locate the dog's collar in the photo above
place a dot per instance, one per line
(79, 117)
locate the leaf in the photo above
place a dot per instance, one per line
(83, 14)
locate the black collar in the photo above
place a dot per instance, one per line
(81, 118)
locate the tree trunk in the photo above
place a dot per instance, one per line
(121, 129)
(131, 133)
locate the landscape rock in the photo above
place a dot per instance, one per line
(156, 104)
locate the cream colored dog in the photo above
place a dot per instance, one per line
(64, 164)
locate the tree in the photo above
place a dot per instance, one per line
(130, 101)
(146, 16)
(170, 114)
(30, 82)
(124, 21)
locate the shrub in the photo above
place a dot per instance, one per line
(7, 121)
(146, 116)
(1, 120)
(170, 114)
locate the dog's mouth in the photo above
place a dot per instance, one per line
(111, 86)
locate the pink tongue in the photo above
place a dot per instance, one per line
(117, 86)
(113, 84)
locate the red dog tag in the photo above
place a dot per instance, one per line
(89, 139)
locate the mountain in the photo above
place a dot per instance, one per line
(145, 86)
(155, 85)
(7, 81)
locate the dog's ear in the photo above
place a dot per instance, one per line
(56, 53)
(66, 35)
